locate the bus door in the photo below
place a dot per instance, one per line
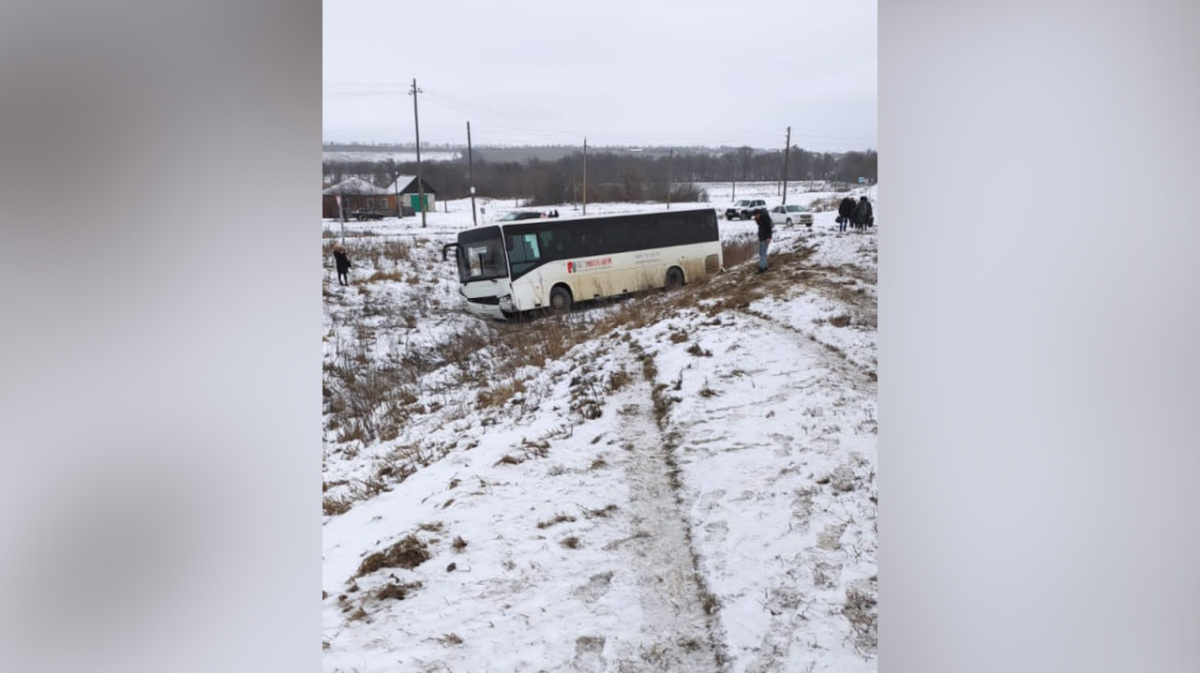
(524, 256)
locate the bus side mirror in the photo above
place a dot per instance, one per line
(446, 248)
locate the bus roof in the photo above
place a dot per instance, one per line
(586, 218)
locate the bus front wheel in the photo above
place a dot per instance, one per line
(560, 300)
(674, 278)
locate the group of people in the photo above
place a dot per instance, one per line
(857, 215)
(550, 213)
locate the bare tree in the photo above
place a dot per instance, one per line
(745, 153)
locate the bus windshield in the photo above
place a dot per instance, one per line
(481, 255)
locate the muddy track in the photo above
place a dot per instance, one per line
(789, 274)
(861, 379)
(677, 633)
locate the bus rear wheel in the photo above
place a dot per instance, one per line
(560, 300)
(674, 278)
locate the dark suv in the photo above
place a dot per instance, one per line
(520, 215)
(366, 215)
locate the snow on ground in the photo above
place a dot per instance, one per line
(680, 482)
(379, 156)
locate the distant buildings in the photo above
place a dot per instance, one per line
(359, 194)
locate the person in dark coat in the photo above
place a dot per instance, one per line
(845, 212)
(343, 263)
(765, 230)
(863, 217)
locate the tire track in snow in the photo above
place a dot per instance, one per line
(677, 634)
(787, 638)
(858, 378)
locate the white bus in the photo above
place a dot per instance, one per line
(512, 267)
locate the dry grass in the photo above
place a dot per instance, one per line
(334, 506)
(408, 553)
(859, 610)
(459, 544)
(450, 640)
(379, 276)
(616, 381)
(500, 394)
(602, 512)
(737, 250)
(396, 590)
(557, 519)
(826, 204)
(570, 542)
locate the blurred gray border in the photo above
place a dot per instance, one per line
(1038, 335)
(161, 395)
(1038, 325)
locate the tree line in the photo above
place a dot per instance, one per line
(612, 176)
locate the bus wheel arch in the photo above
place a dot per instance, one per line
(561, 298)
(675, 278)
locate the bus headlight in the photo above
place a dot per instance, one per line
(506, 302)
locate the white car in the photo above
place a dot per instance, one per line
(792, 214)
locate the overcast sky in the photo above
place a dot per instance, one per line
(621, 72)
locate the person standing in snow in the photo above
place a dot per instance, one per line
(862, 213)
(765, 231)
(845, 212)
(343, 263)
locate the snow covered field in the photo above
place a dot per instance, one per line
(397, 156)
(676, 482)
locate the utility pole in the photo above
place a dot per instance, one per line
(471, 174)
(585, 175)
(396, 191)
(417, 124)
(342, 212)
(670, 165)
(787, 148)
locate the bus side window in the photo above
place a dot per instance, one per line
(531, 247)
(617, 236)
(669, 230)
(575, 243)
(708, 225)
(523, 252)
(550, 244)
(646, 234)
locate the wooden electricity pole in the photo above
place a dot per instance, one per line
(471, 175)
(417, 124)
(786, 150)
(670, 164)
(585, 175)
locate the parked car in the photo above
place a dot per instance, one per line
(745, 209)
(792, 214)
(364, 214)
(520, 215)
